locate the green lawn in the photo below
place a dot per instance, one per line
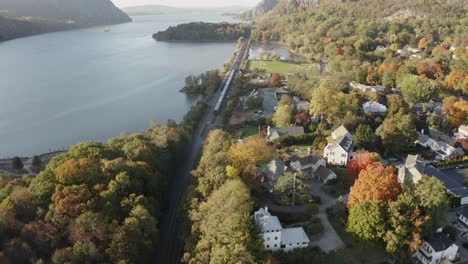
(281, 67)
(249, 131)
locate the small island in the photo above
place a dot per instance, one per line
(203, 32)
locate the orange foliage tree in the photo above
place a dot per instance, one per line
(361, 160)
(78, 172)
(375, 183)
(275, 80)
(246, 155)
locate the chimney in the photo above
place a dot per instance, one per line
(266, 208)
(309, 150)
(268, 131)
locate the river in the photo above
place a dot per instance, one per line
(62, 88)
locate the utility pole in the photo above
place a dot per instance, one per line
(294, 190)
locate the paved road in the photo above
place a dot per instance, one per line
(330, 240)
(170, 247)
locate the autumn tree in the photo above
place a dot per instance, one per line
(406, 223)
(364, 137)
(324, 100)
(283, 115)
(246, 155)
(375, 183)
(397, 104)
(302, 118)
(361, 160)
(275, 80)
(79, 171)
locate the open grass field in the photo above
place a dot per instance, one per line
(282, 67)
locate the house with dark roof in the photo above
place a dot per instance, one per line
(312, 167)
(414, 170)
(463, 217)
(436, 249)
(338, 152)
(276, 132)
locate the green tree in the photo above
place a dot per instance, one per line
(432, 197)
(406, 223)
(418, 90)
(17, 163)
(397, 104)
(283, 115)
(398, 133)
(364, 137)
(368, 220)
(293, 187)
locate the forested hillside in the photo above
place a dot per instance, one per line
(29, 17)
(377, 41)
(97, 203)
(13, 28)
(200, 31)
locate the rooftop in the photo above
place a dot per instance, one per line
(311, 159)
(439, 242)
(451, 183)
(293, 236)
(323, 172)
(266, 222)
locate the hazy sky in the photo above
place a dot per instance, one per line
(198, 3)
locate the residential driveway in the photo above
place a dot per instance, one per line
(330, 240)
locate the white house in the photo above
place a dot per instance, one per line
(442, 150)
(300, 104)
(366, 88)
(436, 249)
(462, 132)
(273, 235)
(275, 132)
(313, 167)
(463, 217)
(339, 151)
(375, 108)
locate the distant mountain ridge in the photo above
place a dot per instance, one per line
(29, 17)
(162, 9)
(260, 9)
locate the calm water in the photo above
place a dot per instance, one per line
(62, 88)
(273, 49)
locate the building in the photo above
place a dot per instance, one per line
(271, 173)
(436, 249)
(280, 92)
(462, 132)
(307, 165)
(275, 132)
(313, 167)
(442, 150)
(365, 88)
(375, 108)
(300, 104)
(411, 171)
(339, 151)
(463, 217)
(273, 235)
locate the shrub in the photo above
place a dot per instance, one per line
(17, 163)
(314, 227)
(36, 162)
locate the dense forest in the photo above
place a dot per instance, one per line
(97, 203)
(377, 42)
(200, 31)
